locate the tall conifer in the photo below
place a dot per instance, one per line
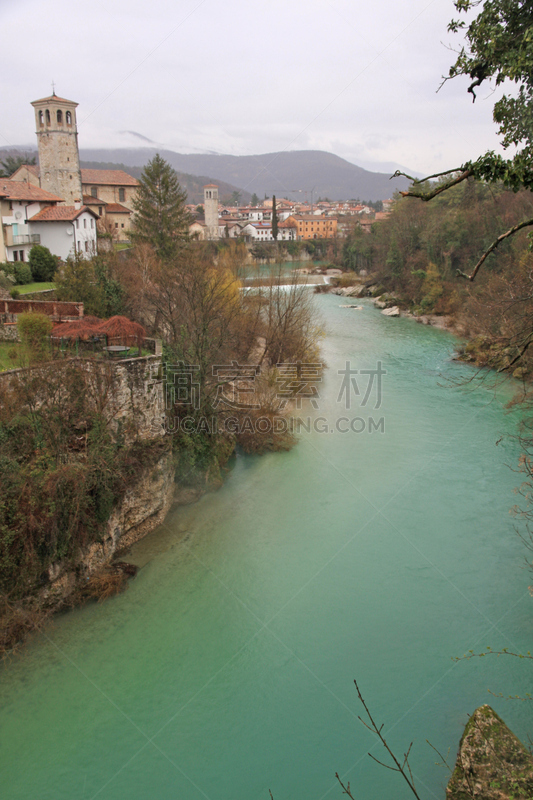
(161, 218)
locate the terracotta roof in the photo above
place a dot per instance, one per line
(116, 208)
(20, 190)
(210, 186)
(60, 213)
(33, 168)
(89, 200)
(310, 217)
(54, 98)
(108, 177)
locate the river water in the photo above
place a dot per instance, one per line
(227, 667)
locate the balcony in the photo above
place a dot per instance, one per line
(27, 238)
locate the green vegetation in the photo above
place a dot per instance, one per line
(62, 466)
(9, 355)
(93, 283)
(34, 331)
(161, 218)
(42, 263)
(28, 288)
(10, 164)
(498, 47)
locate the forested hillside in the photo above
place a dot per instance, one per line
(419, 251)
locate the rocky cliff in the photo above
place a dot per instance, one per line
(492, 764)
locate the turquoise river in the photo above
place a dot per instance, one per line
(227, 667)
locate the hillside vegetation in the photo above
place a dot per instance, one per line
(417, 252)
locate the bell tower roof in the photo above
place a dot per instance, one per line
(53, 98)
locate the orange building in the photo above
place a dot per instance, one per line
(313, 226)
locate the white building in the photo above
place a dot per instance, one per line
(262, 232)
(66, 230)
(30, 215)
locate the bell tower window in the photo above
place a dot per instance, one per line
(59, 116)
(41, 118)
(69, 118)
(47, 115)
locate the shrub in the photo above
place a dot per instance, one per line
(43, 264)
(8, 267)
(34, 330)
(22, 272)
(14, 294)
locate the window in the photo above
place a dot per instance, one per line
(94, 191)
(116, 224)
(15, 255)
(100, 210)
(121, 195)
(59, 116)
(84, 223)
(77, 223)
(11, 205)
(69, 118)
(86, 247)
(92, 222)
(47, 114)
(122, 225)
(41, 118)
(21, 255)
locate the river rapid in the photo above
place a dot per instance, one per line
(227, 667)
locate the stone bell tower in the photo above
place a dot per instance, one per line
(57, 139)
(211, 210)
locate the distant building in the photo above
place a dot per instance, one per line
(309, 226)
(211, 210)
(262, 232)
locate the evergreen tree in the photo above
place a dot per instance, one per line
(10, 164)
(274, 218)
(43, 264)
(255, 200)
(161, 218)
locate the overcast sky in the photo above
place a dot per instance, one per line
(355, 78)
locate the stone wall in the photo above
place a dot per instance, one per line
(130, 392)
(9, 332)
(52, 308)
(137, 404)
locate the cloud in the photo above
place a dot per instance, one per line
(357, 79)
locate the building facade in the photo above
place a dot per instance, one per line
(211, 210)
(57, 140)
(310, 226)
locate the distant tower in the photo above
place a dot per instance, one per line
(57, 138)
(211, 210)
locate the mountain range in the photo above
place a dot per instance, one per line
(295, 174)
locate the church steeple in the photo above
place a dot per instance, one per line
(57, 139)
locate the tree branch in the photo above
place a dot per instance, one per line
(494, 245)
(438, 189)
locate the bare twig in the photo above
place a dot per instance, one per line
(345, 789)
(526, 223)
(404, 769)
